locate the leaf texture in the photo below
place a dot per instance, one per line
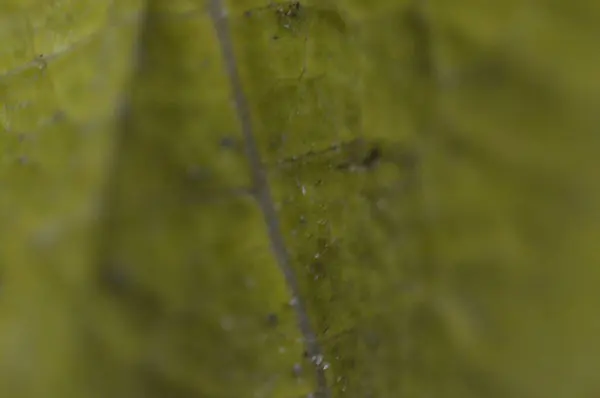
(403, 203)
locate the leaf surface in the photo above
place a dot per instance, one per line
(404, 203)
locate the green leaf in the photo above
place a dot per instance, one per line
(358, 199)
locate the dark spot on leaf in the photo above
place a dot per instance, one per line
(317, 269)
(114, 278)
(372, 340)
(372, 157)
(198, 173)
(227, 142)
(59, 116)
(272, 319)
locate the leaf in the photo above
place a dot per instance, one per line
(405, 190)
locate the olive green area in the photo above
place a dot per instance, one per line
(433, 166)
